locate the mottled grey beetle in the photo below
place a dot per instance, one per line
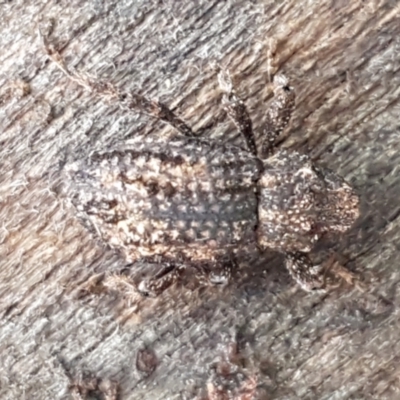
(193, 202)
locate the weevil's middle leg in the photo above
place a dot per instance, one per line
(237, 111)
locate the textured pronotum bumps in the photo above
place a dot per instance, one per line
(183, 199)
(299, 202)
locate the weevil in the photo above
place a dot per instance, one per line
(191, 202)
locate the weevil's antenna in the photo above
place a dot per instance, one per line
(126, 100)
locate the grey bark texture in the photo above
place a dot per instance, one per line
(342, 58)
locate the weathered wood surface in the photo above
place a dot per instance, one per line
(343, 58)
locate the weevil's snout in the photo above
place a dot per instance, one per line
(340, 206)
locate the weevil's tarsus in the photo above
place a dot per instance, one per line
(324, 277)
(307, 275)
(167, 276)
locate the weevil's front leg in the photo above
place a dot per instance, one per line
(319, 277)
(126, 100)
(278, 114)
(236, 110)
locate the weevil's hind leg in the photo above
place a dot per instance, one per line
(324, 277)
(126, 100)
(237, 110)
(278, 114)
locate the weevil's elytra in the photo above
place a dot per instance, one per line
(142, 201)
(190, 202)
